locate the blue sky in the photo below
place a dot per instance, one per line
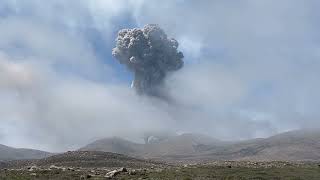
(251, 70)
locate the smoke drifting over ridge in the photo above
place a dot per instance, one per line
(150, 55)
(258, 70)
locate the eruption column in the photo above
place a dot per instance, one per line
(150, 55)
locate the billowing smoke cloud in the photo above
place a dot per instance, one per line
(250, 70)
(13, 75)
(150, 55)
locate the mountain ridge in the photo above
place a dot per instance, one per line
(297, 145)
(10, 153)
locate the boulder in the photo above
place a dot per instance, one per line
(114, 173)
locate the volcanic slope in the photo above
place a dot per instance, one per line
(10, 153)
(299, 145)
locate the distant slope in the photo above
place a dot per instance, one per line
(184, 144)
(294, 145)
(300, 145)
(115, 145)
(303, 145)
(9, 153)
(94, 159)
(86, 159)
(174, 145)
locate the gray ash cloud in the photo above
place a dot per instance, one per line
(150, 55)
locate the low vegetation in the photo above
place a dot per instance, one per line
(221, 170)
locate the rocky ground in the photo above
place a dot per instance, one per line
(62, 172)
(212, 170)
(77, 165)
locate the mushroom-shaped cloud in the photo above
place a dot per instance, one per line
(150, 55)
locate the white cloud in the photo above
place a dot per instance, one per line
(56, 113)
(268, 47)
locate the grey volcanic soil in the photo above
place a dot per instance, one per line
(87, 159)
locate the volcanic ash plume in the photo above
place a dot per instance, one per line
(150, 55)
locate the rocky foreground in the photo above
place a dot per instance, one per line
(77, 165)
(215, 170)
(102, 165)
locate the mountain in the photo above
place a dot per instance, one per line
(115, 145)
(299, 145)
(94, 159)
(171, 146)
(294, 145)
(10, 153)
(83, 159)
(184, 144)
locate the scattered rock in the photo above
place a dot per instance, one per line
(32, 168)
(70, 169)
(54, 167)
(123, 170)
(158, 170)
(132, 172)
(113, 173)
